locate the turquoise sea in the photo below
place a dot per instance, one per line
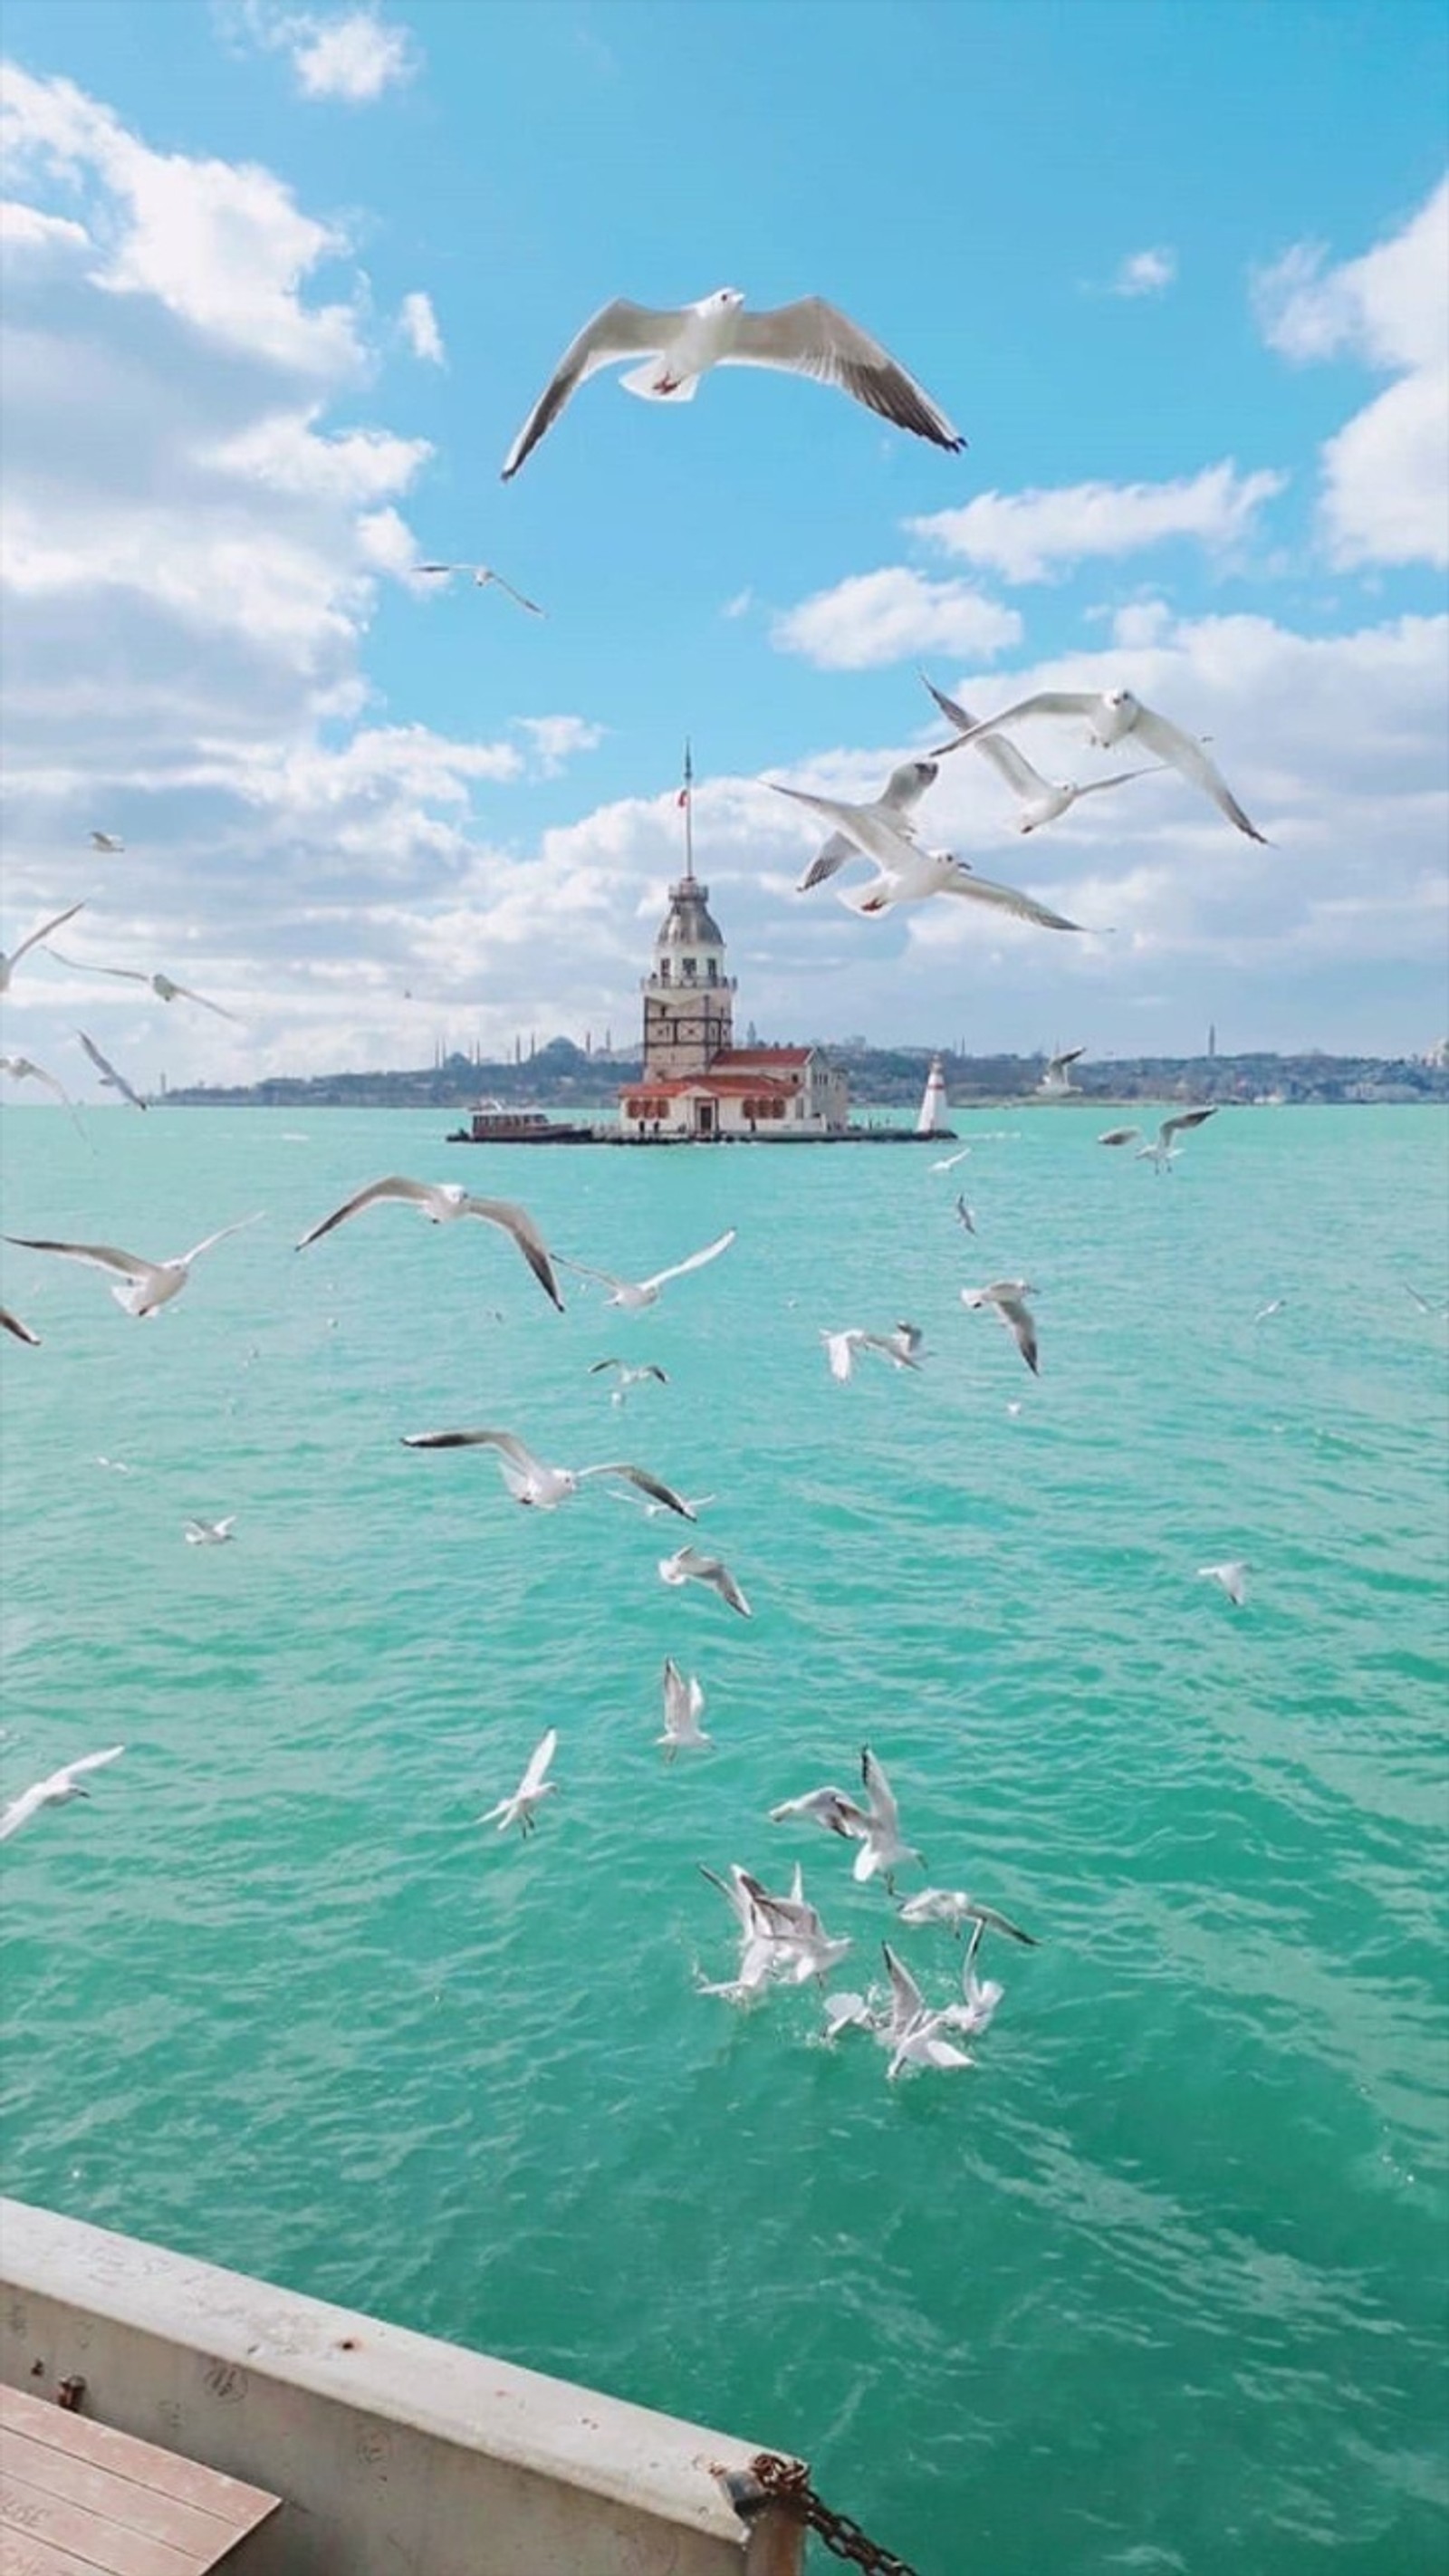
(1158, 2283)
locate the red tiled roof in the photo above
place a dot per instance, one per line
(764, 1086)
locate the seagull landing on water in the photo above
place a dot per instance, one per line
(1232, 1575)
(1007, 1300)
(633, 1294)
(445, 1202)
(1160, 1150)
(57, 1791)
(110, 1079)
(535, 1484)
(913, 2034)
(898, 798)
(680, 345)
(149, 1285)
(1041, 801)
(9, 964)
(531, 1791)
(210, 1533)
(683, 1708)
(481, 575)
(688, 1565)
(1111, 717)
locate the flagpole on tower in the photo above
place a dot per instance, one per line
(686, 798)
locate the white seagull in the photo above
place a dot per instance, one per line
(9, 964)
(1232, 1575)
(1041, 799)
(899, 1347)
(445, 1202)
(149, 1285)
(680, 345)
(951, 1161)
(952, 1906)
(632, 1294)
(1160, 1151)
(531, 1791)
(22, 1333)
(906, 873)
(1274, 1306)
(20, 1068)
(914, 2033)
(1007, 1300)
(57, 1791)
(898, 798)
(110, 1079)
(628, 1376)
(875, 1826)
(534, 1483)
(1111, 716)
(107, 843)
(163, 986)
(683, 1708)
(688, 1565)
(210, 1533)
(1057, 1078)
(481, 575)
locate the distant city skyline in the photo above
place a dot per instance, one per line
(281, 286)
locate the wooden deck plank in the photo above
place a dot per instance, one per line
(30, 2557)
(96, 2542)
(191, 2482)
(116, 2499)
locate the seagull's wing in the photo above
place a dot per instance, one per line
(485, 572)
(696, 1261)
(23, 1070)
(605, 1278)
(92, 966)
(1023, 907)
(892, 1348)
(839, 1350)
(45, 930)
(538, 1763)
(12, 1324)
(504, 1441)
(1005, 759)
(907, 2000)
(88, 1762)
(1184, 1119)
(813, 338)
(620, 330)
(1022, 1327)
(906, 785)
(596, 1365)
(101, 1256)
(418, 1193)
(1181, 752)
(1121, 1136)
(184, 993)
(890, 844)
(1046, 702)
(21, 1809)
(711, 1570)
(108, 1073)
(516, 1221)
(884, 1814)
(646, 1483)
(837, 851)
(220, 1236)
(1094, 787)
(988, 1920)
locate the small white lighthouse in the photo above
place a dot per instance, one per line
(931, 1120)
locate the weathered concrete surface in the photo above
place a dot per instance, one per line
(396, 2455)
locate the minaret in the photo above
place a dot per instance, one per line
(688, 997)
(932, 1117)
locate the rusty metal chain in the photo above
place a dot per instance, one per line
(787, 2483)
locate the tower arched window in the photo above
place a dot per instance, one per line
(663, 970)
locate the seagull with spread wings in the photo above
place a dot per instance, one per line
(481, 575)
(163, 986)
(1007, 1301)
(897, 800)
(35, 940)
(57, 1791)
(531, 1481)
(905, 872)
(679, 345)
(531, 1791)
(690, 1565)
(1160, 1151)
(445, 1202)
(1112, 715)
(683, 1709)
(1040, 799)
(148, 1285)
(632, 1294)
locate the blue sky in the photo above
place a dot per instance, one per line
(282, 282)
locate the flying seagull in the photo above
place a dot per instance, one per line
(875, 1826)
(680, 345)
(899, 1348)
(210, 1533)
(1040, 799)
(107, 843)
(1111, 715)
(110, 1079)
(57, 1791)
(150, 1285)
(1007, 1300)
(628, 1376)
(634, 1293)
(1058, 1074)
(9, 964)
(12, 1324)
(445, 1202)
(966, 1215)
(951, 1160)
(482, 575)
(898, 798)
(1274, 1306)
(164, 988)
(532, 1789)
(1233, 1576)
(21, 1068)
(688, 1565)
(906, 873)
(1161, 1151)
(532, 1482)
(683, 1708)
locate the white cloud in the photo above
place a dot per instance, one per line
(885, 616)
(1145, 272)
(1030, 536)
(353, 56)
(1385, 497)
(24, 229)
(557, 740)
(420, 328)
